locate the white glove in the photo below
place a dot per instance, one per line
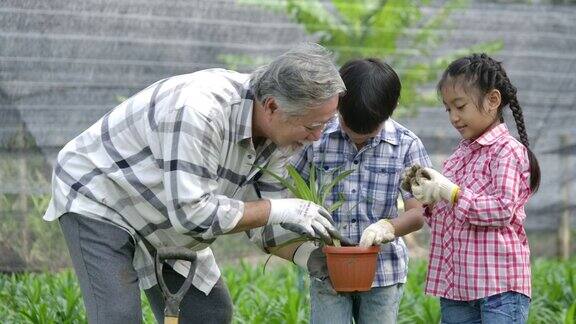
(430, 186)
(311, 258)
(304, 218)
(380, 232)
(409, 176)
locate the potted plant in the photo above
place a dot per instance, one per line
(351, 268)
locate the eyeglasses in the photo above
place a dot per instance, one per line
(320, 126)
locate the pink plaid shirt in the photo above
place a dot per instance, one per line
(478, 246)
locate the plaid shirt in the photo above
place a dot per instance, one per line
(371, 191)
(479, 247)
(171, 166)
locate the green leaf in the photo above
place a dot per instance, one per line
(571, 314)
(314, 186)
(302, 188)
(315, 19)
(283, 181)
(335, 206)
(388, 24)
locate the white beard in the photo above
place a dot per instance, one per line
(289, 150)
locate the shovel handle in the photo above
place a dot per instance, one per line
(172, 300)
(176, 253)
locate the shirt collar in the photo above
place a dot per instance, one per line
(389, 132)
(244, 127)
(332, 127)
(244, 119)
(491, 136)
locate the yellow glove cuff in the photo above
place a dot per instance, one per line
(454, 195)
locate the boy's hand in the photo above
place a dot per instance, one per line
(380, 232)
(430, 186)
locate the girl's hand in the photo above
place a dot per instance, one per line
(409, 177)
(430, 186)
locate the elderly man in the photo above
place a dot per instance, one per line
(176, 165)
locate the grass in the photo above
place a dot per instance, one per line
(277, 296)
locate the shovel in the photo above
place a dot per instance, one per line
(172, 300)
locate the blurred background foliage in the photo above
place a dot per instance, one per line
(396, 31)
(410, 35)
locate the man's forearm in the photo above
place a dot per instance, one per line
(256, 214)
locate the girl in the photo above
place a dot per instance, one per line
(479, 263)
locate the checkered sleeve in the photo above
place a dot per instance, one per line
(415, 155)
(270, 187)
(496, 209)
(191, 139)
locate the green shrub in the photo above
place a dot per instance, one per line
(276, 296)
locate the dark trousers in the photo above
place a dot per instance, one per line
(102, 257)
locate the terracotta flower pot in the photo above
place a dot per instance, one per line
(351, 268)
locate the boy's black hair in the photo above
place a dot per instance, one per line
(372, 93)
(482, 73)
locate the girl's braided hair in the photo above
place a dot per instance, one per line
(483, 73)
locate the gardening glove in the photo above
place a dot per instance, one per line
(344, 241)
(409, 177)
(430, 186)
(304, 218)
(311, 258)
(380, 232)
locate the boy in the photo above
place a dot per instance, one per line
(364, 138)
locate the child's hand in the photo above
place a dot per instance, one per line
(407, 176)
(380, 232)
(410, 177)
(430, 186)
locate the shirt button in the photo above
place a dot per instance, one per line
(355, 161)
(353, 220)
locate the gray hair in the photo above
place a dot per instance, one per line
(301, 78)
